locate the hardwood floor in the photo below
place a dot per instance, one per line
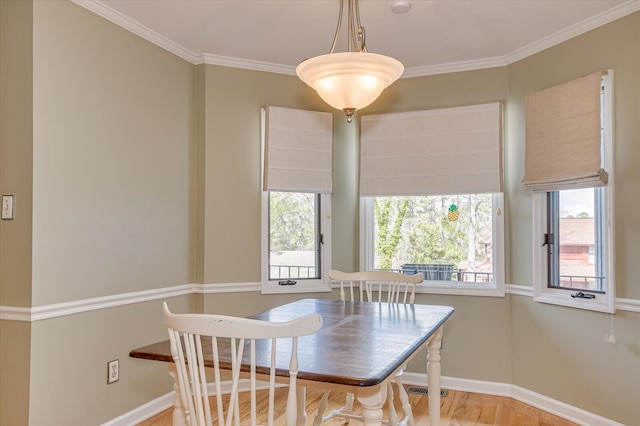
(457, 409)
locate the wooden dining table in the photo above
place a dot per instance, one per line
(359, 349)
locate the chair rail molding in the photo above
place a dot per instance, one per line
(37, 313)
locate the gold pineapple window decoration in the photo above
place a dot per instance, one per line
(453, 213)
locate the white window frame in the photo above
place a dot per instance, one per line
(495, 289)
(541, 290)
(323, 284)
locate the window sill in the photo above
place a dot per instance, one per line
(563, 298)
(300, 287)
(461, 289)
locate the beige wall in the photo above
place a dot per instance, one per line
(112, 149)
(16, 104)
(111, 141)
(560, 352)
(16, 150)
(200, 167)
(146, 174)
(69, 358)
(15, 341)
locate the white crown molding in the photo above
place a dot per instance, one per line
(455, 67)
(575, 30)
(16, 313)
(245, 64)
(135, 27)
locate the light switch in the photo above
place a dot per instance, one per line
(7, 207)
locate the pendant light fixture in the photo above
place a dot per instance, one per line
(350, 80)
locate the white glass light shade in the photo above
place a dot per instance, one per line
(349, 80)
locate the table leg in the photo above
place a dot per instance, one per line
(372, 399)
(179, 418)
(433, 376)
(404, 398)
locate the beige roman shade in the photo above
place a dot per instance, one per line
(434, 152)
(298, 150)
(563, 136)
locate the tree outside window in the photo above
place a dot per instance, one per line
(450, 234)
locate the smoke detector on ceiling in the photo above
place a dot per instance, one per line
(400, 6)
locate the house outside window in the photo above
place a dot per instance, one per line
(574, 217)
(573, 255)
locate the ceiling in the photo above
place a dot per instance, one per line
(435, 36)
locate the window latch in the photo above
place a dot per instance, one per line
(548, 240)
(581, 295)
(287, 282)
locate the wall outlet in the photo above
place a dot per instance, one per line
(113, 371)
(7, 207)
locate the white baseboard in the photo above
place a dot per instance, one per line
(143, 412)
(560, 409)
(550, 405)
(160, 404)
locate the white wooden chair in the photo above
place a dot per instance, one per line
(188, 335)
(374, 286)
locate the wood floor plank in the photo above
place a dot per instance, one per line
(456, 409)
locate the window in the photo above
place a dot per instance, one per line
(294, 236)
(574, 243)
(431, 197)
(455, 241)
(573, 234)
(297, 182)
(296, 241)
(574, 257)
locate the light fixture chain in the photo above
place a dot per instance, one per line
(361, 31)
(353, 40)
(362, 38)
(356, 38)
(335, 37)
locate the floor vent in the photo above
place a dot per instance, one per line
(424, 391)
